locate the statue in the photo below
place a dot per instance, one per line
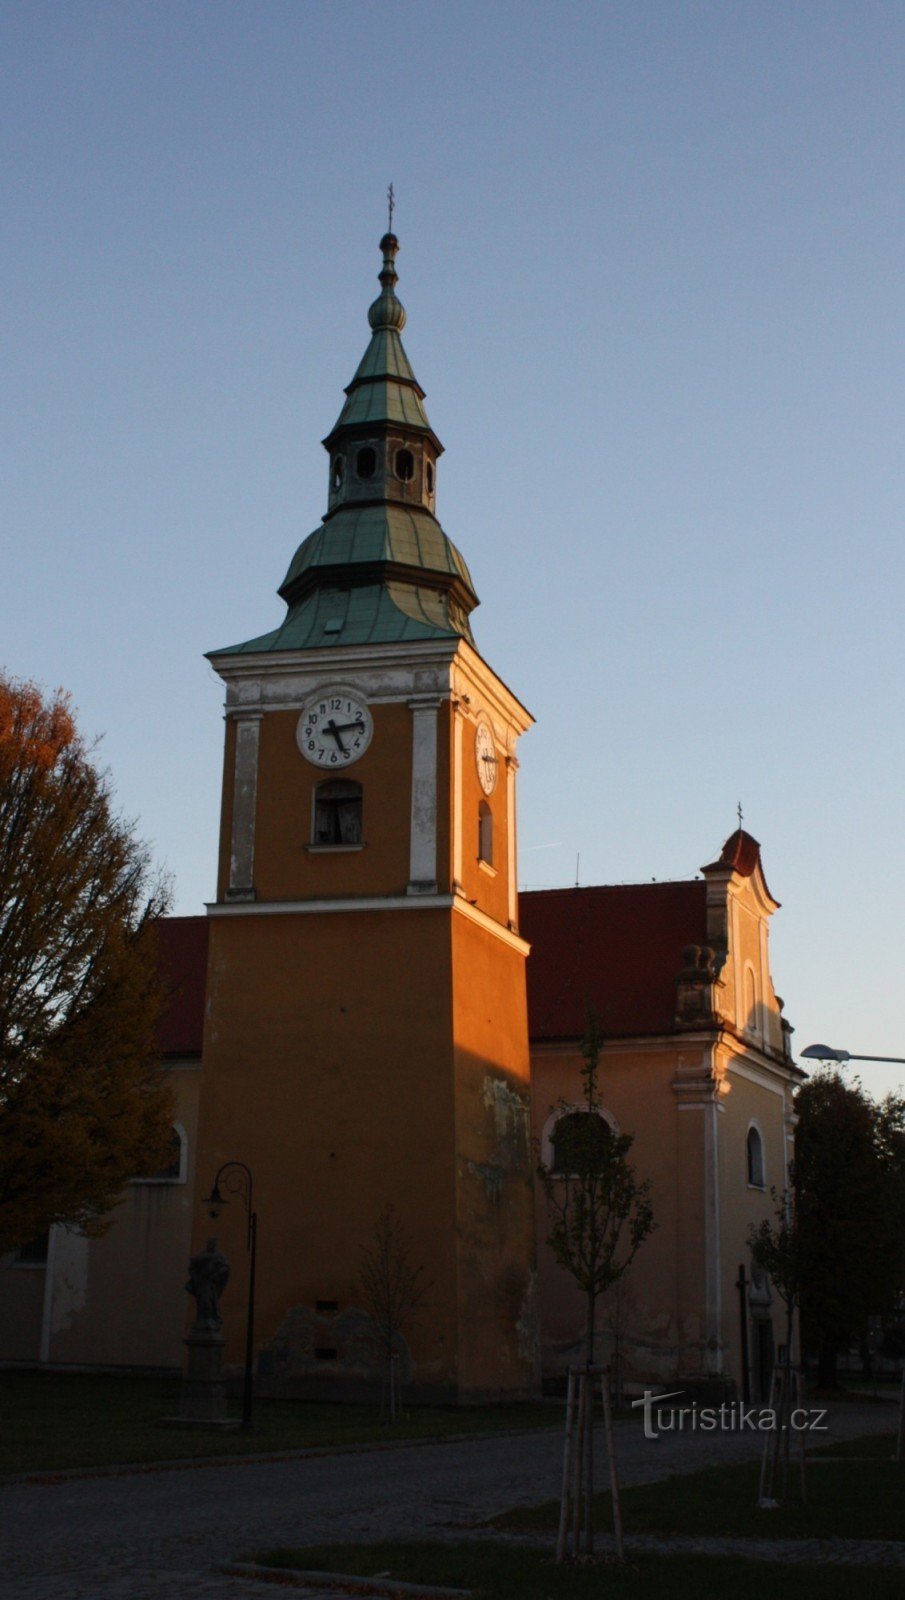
(208, 1277)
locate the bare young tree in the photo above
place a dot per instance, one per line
(393, 1289)
(83, 1104)
(600, 1215)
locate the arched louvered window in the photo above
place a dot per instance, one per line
(337, 813)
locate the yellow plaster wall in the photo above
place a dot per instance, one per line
(21, 1310)
(498, 1340)
(741, 1205)
(120, 1299)
(285, 869)
(636, 1090)
(489, 889)
(329, 1071)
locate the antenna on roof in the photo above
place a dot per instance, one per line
(391, 207)
(577, 859)
(739, 810)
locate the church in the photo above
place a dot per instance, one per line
(371, 1017)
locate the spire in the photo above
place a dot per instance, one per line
(384, 388)
(380, 569)
(386, 311)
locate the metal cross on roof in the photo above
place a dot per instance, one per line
(739, 809)
(391, 206)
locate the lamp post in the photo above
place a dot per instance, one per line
(237, 1180)
(825, 1053)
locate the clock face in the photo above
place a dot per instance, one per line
(485, 757)
(334, 729)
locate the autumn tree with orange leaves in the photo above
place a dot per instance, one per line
(83, 1104)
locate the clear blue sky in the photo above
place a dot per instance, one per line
(652, 260)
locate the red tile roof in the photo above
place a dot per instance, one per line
(183, 966)
(616, 950)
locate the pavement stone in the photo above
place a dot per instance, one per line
(159, 1536)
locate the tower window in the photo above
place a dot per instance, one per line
(405, 465)
(429, 475)
(366, 462)
(337, 812)
(485, 834)
(337, 474)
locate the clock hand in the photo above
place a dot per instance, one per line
(331, 727)
(344, 727)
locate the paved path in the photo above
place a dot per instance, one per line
(158, 1535)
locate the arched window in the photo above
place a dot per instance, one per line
(750, 1019)
(405, 465)
(366, 462)
(485, 834)
(337, 475)
(570, 1141)
(337, 813)
(429, 475)
(755, 1156)
(174, 1168)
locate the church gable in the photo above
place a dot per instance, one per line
(739, 908)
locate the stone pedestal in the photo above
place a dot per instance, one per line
(203, 1400)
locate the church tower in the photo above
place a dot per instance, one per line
(366, 1039)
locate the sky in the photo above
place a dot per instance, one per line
(651, 255)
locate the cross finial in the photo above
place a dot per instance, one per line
(739, 809)
(391, 207)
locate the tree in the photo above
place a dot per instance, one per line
(600, 1213)
(393, 1290)
(849, 1187)
(601, 1216)
(776, 1247)
(83, 1104)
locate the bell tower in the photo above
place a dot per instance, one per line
(366, 1034)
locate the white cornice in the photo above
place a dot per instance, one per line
(507, 935)
(282, 679)
(296, 908)
(421, 902)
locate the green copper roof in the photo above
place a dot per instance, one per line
(385, 358)
(384, 388)
(382, 401)
(405, 536)
(380, 569)
(375, 613)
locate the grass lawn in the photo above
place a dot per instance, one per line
(51, 1421)
(863, 1500)
(499, 1572)
(873, 1446)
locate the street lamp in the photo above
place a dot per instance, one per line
(237, 1180)
(825, 1052)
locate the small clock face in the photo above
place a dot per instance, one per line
(485, 757)
(334, 729)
